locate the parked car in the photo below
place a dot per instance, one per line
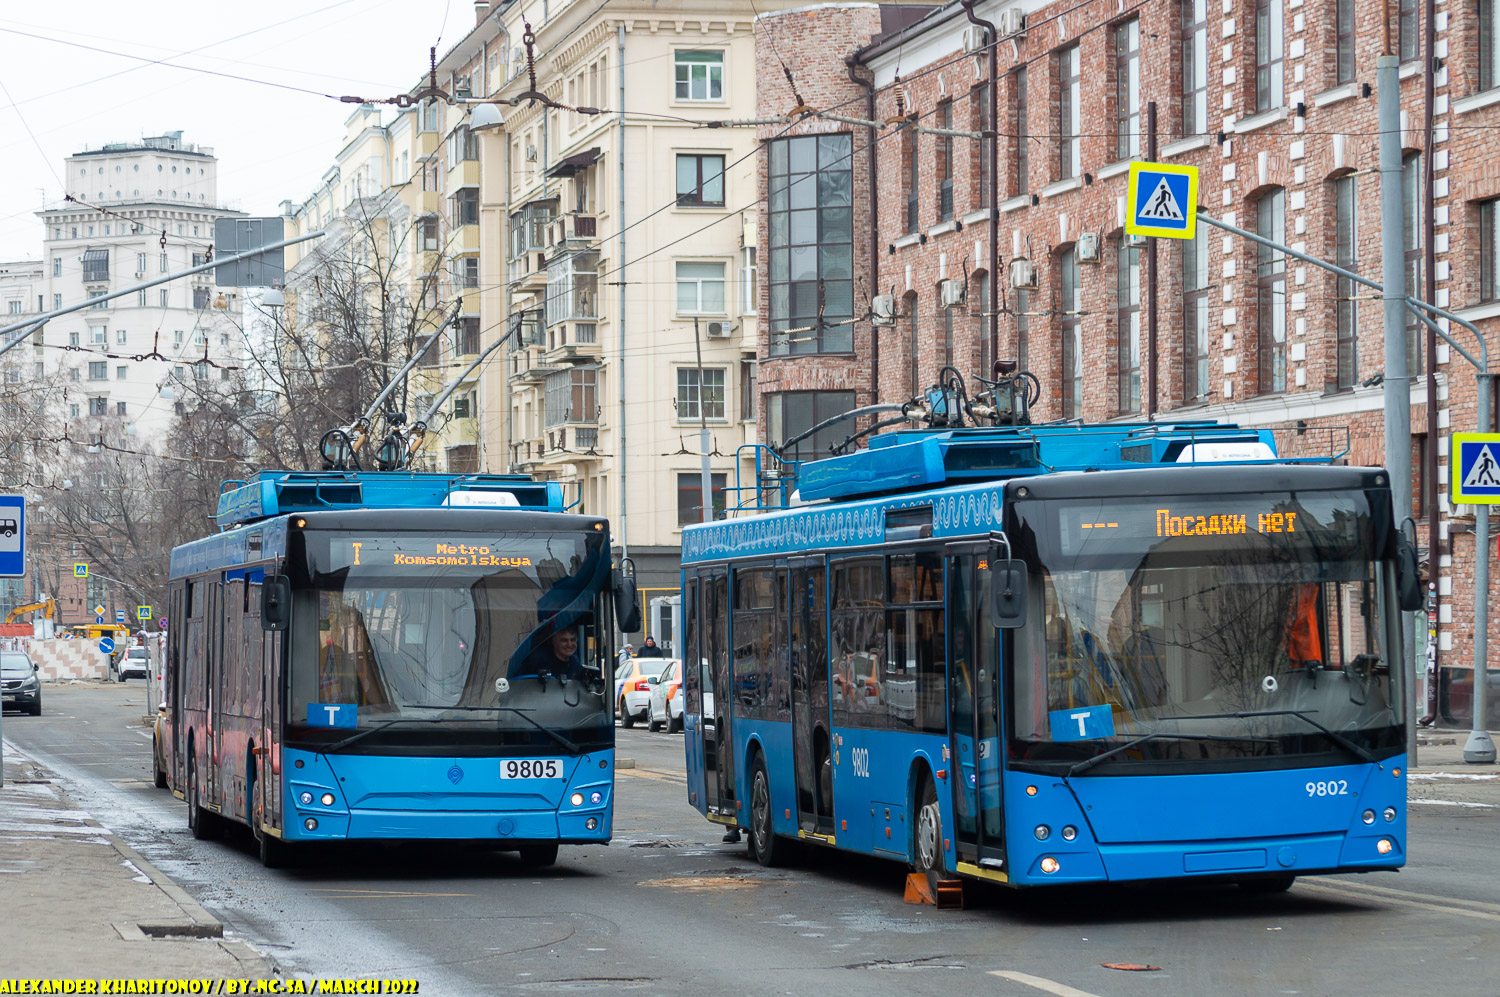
(20, 685)
(633, 689)
(135, 664)
(160, 735)
(665, 704)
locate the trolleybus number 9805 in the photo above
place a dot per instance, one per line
(531, 768)
(1334, 787)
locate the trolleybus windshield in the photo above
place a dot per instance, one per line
(1203, 631)
(421, 641)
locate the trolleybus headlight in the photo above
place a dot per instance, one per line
(1368, 816)
(327, 799)
(1384, 846)
(1050, 865)
(1030, 790)
(592, 823)
(1042, 830)
(1069, 833)
(1390, 814)
(305, 798)
(598, 797)
(311, 823)
(576, 799)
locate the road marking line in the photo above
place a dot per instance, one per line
(1050, 986)
(1404, 894)
(1402, 902)
(1454, 803)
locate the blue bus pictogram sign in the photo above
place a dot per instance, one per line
(12, 536)
(1475, 476)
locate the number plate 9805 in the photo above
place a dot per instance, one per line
(531, 768)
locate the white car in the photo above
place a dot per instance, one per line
(665, 706)
(633, 681)
(135, 664)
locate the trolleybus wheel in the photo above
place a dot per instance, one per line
(767, 849)
(627, 719)
(202, 823)
(159, 777)
(273, 851)
(1269, 884)
(927, 856)
(539, 855)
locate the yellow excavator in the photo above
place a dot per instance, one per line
(49, 610)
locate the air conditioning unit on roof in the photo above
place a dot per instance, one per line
(1022, 274)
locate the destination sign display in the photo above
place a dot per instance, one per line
(1136, 523)
(422, 552)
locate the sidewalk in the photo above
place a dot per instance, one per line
(79, 903)
(1441, 778)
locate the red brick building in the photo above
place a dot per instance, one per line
(1272, 100)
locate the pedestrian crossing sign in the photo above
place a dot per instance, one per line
(1162, 200)
(1475, 473)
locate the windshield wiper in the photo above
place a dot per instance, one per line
(1353, 747)
(518, 712)
(1089, 763)
(389, 723)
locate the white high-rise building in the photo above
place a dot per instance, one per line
(135, 211)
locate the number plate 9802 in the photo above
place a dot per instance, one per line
(531, 768)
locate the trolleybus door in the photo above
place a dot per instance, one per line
(692, 692)
(806, 609)
(213, 685)
(271, 705)
(718, 695)
(973, 706)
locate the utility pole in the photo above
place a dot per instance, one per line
(1393, 280)
(708, 494)
(1151, 367)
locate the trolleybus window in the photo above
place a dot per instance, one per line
(462, 634)
(1207, 630)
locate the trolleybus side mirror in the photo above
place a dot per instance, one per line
(627, 606)
(1409, 595)
(275, 602)
(1008, 584)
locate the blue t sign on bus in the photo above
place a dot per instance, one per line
(12, 536)
(1162, 200)
(332, 715)
(1477, 462)
(1082, 723)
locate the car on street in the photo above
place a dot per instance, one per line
(20, 684)
(665, 705)
(135, 664)
(160, 736)
(633, 684)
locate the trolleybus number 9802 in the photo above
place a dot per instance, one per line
(1334, 787)
(531, 768)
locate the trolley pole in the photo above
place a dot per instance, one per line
(1393, 281)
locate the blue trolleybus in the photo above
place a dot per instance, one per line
(395, 656)
(1058, 654)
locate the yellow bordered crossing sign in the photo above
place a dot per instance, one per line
(1475, 474)
(1162, 200)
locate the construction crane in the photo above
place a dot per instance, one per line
(48, 607)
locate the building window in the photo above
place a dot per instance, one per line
(1346, 255)
(690, 496)
(463, 146)
(1195, 317)
(429, 234)
(119, 408)
(200, 298)
(465, 205)
(57, 266)
(945, 317)
(98, 406)
(913, 178)
(528, 227)
(1128, 89)
(99, 335)
(979, 304)
(1407, 29)
(982, 99)
(1070, 334)
(73, 338)
(100, 303)
(140, 264)
(120, 337)
(95, 265)
(466, 335)
(1269, 49)
(461, 407)
(945, 162)
(1022, 154)
(700, 180)
(1343, 38)
(700, 289)
(572, 287)
(57, 301)
(1270, 311)
(748, 399)
(1069, 113)
(200, 371)
(1411, 238)
(700, 75)
(792, 413)
(465, 271)
(1489, 45)
(570, 396)
(811, 275)
(98, 370)
(162, 263)
(1489, 251)
(121, 372)
(162, 298)
(140, 299)
(913, 343)
(700, 400)
(748, 300)
(1128, 325)
(1194, 66)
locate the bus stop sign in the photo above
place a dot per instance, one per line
(1162, 200)
(1475, 476)
(12, 536)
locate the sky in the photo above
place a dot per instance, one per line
(273, 142)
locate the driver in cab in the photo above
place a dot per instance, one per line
(558, 657)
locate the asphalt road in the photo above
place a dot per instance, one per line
(668, 909)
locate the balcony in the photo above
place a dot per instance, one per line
(571, 227)
(528, 367)
(573, 342)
